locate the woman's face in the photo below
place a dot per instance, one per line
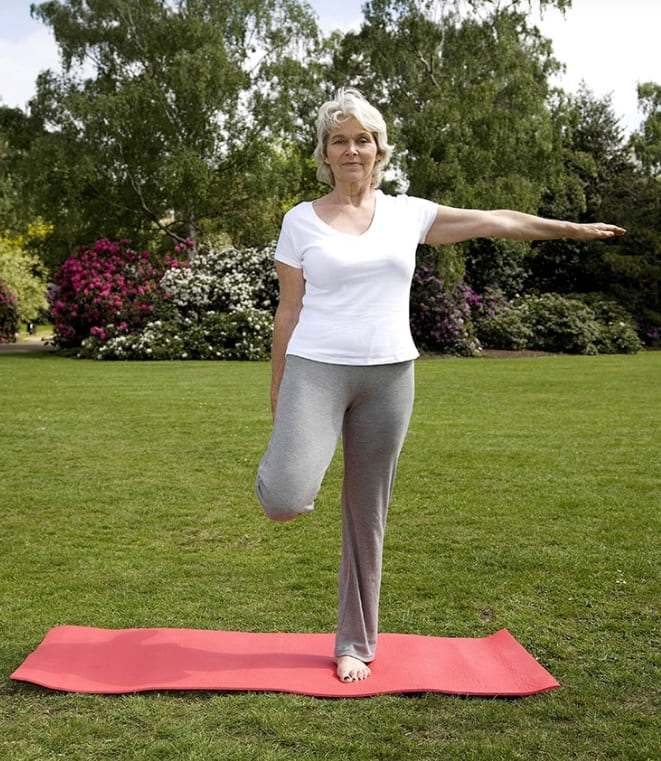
(351, 152)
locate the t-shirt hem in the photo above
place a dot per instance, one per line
(356, 361)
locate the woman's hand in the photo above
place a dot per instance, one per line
(596, 231)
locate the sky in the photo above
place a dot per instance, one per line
(611, 45)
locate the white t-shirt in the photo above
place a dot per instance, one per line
(356, 303)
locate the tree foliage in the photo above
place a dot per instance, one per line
(597, 159)
(18, 132)
(171, 115)
(646, 143)
(590, 146)
(23, 272)
(465, 94)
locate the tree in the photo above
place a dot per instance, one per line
(635, 195)
(172, 116)
(23, 273)
(466, 95)
(17, 133)
(589, 142)
(609, 184)
(646, 143)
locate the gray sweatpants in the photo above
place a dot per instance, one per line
(370, 406)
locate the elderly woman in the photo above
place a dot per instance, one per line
(342, 360)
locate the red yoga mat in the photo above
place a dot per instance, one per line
(89, 660)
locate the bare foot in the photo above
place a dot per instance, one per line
(350, 669)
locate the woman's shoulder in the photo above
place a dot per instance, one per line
(298, 215)
(404, 201)
(301, 209)
(400, 198)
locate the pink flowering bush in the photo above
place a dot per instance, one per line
(104, 290)
(8, 314)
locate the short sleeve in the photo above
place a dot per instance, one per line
(286, 250)
(425, 212)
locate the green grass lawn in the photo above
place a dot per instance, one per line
(527, 498)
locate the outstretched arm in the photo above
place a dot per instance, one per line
(454, 225)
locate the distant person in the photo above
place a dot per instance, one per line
(342, 358)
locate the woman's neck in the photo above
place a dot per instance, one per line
(351, 194)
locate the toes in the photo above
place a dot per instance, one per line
(351, 669)
(360, 674)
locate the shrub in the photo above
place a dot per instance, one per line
(617, 331)
(8, 314)
(501, 324)
(505, 330)
(23, 273)
(239, 335)
(109, 284)
(550, 322)
(560, 324)
(653, 336)
(440, 317)
(218, 306)
(223, 281)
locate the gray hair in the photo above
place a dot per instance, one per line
(348, 104)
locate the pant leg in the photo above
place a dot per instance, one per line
(306, 430)
(374, 430)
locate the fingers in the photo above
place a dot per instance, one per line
(612, 230)
(599, 231)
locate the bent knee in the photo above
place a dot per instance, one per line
(280, 507)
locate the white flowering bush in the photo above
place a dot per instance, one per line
(219, 305)
(224, 281)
